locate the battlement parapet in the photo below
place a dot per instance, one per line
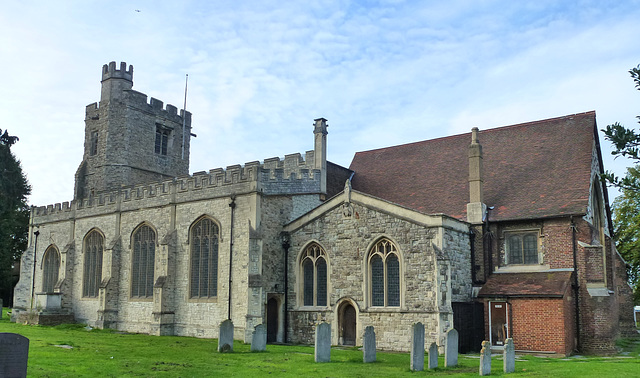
(155, 106)
(275, 176)
(110, 72)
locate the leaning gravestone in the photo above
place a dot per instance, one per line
(14, 353)
(509, 356)
(417, 347)
(451, 349)
(485, 358)
(369, 345)
(225, 338)
(259, 339)
(433, 356)
(323, 342)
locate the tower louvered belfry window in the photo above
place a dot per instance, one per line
(93, 248)
(204, 259)
(384, 275)
(143, 262)
(50, 269)
(314, 276)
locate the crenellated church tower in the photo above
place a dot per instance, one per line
(128, 140)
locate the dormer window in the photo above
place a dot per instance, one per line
(162, 139)
(522, 248)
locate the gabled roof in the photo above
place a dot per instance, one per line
(531, 170)
(538, 284)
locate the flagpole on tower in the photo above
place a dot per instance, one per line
(184, 113)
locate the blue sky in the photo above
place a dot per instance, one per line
(381, 72)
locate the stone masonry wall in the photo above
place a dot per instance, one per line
(347, 240)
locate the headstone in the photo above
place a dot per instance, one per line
(1, 308)
(417, 347)
(259, 338)
(225, 337)
(323, 342)
(14, 353)
(369, 345)
(451, 348)
(485, 358)
(433, 356)
(509, 356)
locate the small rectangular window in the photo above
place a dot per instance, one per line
(93, 149)
(162, 140)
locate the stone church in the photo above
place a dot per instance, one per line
(503, 232)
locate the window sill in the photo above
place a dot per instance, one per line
(522, 268)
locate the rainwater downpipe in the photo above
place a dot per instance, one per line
(284, 236)
(232, 205)
(575, 282)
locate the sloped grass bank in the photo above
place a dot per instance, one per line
(77, 351)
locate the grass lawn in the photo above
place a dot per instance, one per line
(107, 353)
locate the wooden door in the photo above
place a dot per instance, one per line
(499, 322)
(272, 320)
(349, 325)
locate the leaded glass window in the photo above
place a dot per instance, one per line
(384, 281)
(204, 259)
(50, 269)
(522, 248)
(93, 248)
(314, 276)
(143, 262)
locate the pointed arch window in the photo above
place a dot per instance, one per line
(384, 275)
(314, 276)
(204, 259)
(143, 262)
(50, 269)
(93, 248)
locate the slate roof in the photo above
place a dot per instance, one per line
(538, 284)
(532, 170)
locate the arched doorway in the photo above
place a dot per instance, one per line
(272, 320)
(348, 325)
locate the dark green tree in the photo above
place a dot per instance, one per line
(626, 220)
(626, 208)
(14, 213)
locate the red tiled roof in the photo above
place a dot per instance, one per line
(531, 170)
(538, 284)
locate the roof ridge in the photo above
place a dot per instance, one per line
(482, 131)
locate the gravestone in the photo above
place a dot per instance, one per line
(259, 338)
(225, 337)
(323, 342)
(1, 308)
(14, 353)
(417, 347)
(485, 358)
(451, 348)
(433, 356)
(369, 345)
(509, 356)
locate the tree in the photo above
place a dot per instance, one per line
(626, 220)
(14, 213)
(626, 143)
(626, 208)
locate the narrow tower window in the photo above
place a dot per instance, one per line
(93, 150)
(162, 139)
